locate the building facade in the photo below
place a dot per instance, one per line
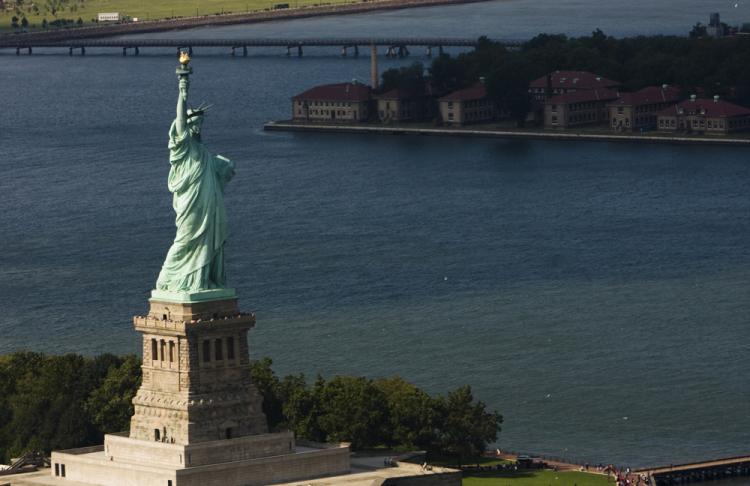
(704, 115)
(466, 106)
(578, 108)
(639, 111)
(342, 102)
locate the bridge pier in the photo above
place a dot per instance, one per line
(124, 51)
(343, 51)
(429, 51)
(356, 51)
(299, 50)
(244, 51)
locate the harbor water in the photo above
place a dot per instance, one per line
(595, 294)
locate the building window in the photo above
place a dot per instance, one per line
(157, 435)
(206, 351)
(228, 433)
(218, 354)
(450, 116)
(230, 348)
(57, 469)
(163, 355)
(154, 350)
(554, 107)
(450, 104)
(62, 470)
(171, 351)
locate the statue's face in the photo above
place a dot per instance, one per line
(195, 123)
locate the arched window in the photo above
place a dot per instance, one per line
(163, 350)
(154, 350)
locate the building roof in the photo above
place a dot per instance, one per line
(584, 96)
(648, 95)
(574, 80)
(353, 91)
(714, 108)
(477, 91)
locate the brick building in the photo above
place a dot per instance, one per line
(561, 82)
(704, 115)
(587, 107)
(333, 102)
(468, 105)
(639, 110)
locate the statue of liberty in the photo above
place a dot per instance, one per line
(195, 261)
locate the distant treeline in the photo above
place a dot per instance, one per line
(700, 65)
(59, 402)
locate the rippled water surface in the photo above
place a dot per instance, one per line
(596, 294)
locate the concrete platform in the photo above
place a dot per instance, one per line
(365, 471)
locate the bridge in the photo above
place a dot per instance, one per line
(395, 46)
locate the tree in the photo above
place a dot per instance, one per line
(44, 23)
(24, 23)
(411, 414)
(465, 428)
(508, 85)
(698, 30)
(14, 22)
(79, 22)
(409, 78)
(352, 409)
(110, 405)
(267, 384)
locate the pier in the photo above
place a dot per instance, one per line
(698, 471)
(394, 46)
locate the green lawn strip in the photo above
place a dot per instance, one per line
(536, 478)
(146, 10)
(482, 461)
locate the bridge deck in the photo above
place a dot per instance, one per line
(252, 42)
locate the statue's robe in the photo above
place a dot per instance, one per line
(196, 178)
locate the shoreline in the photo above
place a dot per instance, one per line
(288, 126)
(181, 23)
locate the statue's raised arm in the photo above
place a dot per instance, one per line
(184, 84)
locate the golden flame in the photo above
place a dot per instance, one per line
(184, 58)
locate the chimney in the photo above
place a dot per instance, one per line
(716, 98)
(374, 78)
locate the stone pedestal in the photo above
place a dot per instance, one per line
(196, 379)
(198, 417)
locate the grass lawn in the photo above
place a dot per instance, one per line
(145, 9)
(536, 478)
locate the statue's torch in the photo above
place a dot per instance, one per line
(184, 69)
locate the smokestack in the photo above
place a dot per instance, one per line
(374, 78)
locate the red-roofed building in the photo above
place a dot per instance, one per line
(588, 107)
(561, 82)
(639, 110)
(399, 105)
(468, 105)
(333, 102)
(704, 115)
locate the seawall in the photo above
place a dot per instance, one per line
(505, 134)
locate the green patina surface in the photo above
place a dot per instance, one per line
(193, 270)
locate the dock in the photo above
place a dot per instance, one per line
(698, 471)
